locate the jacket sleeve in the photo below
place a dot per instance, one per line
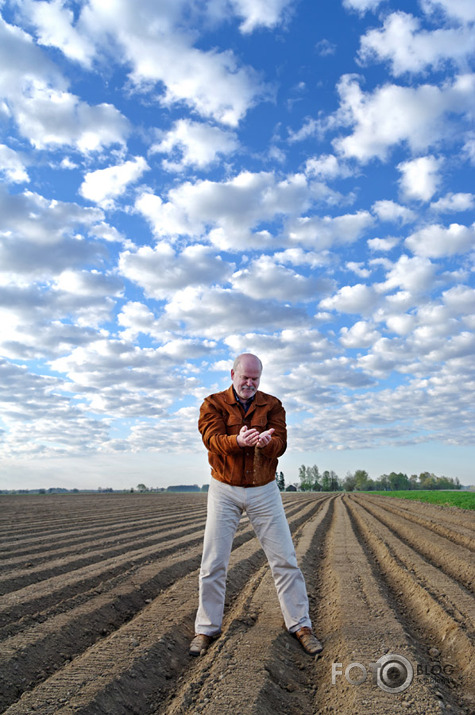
(278, 443)
(212, 426)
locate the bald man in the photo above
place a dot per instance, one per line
(245, 433)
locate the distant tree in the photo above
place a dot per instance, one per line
(205, 487)
(326, 481)
(279, 478)
(361, 480)
(398, 481)
(314, 478)
(334, 481)
(349, 482)
(427, 480)
(142, 488)
(306, 482)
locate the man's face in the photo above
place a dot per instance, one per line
(246, 378)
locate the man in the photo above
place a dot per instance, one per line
(244, 432)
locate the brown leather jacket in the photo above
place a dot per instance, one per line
(221, 418)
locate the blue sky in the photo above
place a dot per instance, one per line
(183, 181)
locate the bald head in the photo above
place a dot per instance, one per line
(246, 375)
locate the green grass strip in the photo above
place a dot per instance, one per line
(462, 500)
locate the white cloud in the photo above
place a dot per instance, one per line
(358, 268)
(260, 13)
(88, 283)
(383, 244)
(462, 10)
(12, 166)
(420, 177)
(325, 48)
(157, 48)
(362, 6)
(231, 211)
(160, 271)
(437, 241)
(388, 210)
(40, 237)
(361, 335)
(321, 233)
(392, 114)
(54, 26)
(410, 49)
(217, 312)
(45, 112)
(198, 144)
(266, 279)
(414, 275)
(454, 202)
(328, 166)
(299, 257)
(460, 300)
(102, 186)
(354, 299)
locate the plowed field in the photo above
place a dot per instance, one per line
(99, 594)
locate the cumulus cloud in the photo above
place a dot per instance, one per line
(30, 224)
(266, 279)
(420, 177)
(102, 186)
(360, 335)
(383, 244)
(354, 299)
(229, 212)
(54, 25)
(417, 116)
(328, 166)
(161, 271)
(414, 275)
(46, 113)
(454, 203)
(408, 48)
(217, 312)
(321, 233)
(388, 210)
(462, 10)
(196, 144)
(260, 13)
(362, 6)
(161, 54)
(437, 241)
(12, 166)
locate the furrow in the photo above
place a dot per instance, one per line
(418, 594)
(122, 672)
(359, 625)
(455, 561)
(459, 533)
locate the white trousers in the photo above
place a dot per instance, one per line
(265, 510)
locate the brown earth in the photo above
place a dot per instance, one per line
(99, 594)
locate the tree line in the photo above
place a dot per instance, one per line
(311, 479)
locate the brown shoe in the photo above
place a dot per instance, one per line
(307, 640)
(199, 644)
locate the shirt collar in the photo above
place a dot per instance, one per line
(245, 403)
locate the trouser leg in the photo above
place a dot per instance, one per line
(224, 513)
(267, 516)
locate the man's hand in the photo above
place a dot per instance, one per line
(265, 437)
(248, 437)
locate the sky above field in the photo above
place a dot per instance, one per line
(185, 180)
